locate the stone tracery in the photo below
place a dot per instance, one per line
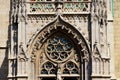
(50, 6)
(45, 33)
(58, 43)
(59, 48)
(70, 17)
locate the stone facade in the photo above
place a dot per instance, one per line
(117, 36)
(4, 24)
(57, 39)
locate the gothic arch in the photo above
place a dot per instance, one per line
(60, 28)
(39, 35)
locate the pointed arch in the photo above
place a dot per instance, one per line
(58, 24)
(79, 51)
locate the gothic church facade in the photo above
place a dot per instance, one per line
(60, 40)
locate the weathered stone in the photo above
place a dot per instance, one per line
(88, 25)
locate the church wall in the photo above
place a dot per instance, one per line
(117, 36)
(4, 24)
(4, 21)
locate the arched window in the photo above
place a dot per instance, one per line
(48, 68)
(60, 53)
(61, 57)
(70, 68)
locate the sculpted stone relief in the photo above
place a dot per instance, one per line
(43, 36)
(102, 65)
(38, 22)
(99, 8)
(66, 6)
(39, 10)
(46, 19)
(100, 47)
(58, 55)
(60, 60)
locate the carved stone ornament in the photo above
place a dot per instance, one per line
(33, 57)
(22, 56)
(56, 5)
(96, 53)
(86, 55)
(56, 25)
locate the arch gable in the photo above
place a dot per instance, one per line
(58, 24)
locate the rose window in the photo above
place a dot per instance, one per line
(59, 48)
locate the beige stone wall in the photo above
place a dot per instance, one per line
(117, 36)
(4, 23)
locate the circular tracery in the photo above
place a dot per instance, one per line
(48, 68)
(70, 68)
(59, 48)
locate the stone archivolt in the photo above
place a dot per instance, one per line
(38, 50)
(51, 28)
